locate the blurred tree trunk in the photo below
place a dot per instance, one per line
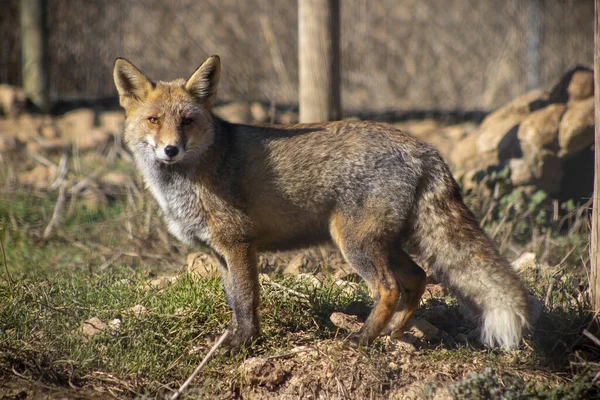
(595, 241)
(319, 60)
(34, 52)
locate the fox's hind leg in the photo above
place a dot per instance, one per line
(412, 281)
(366, 248)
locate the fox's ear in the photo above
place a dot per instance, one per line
(203, 83)
(130, 82)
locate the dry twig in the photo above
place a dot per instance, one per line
(204, 361)
(60, 202)
(63, 168)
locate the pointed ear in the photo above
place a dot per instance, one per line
(130, 82)
(203, 83)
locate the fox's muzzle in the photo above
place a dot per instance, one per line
(170, 154)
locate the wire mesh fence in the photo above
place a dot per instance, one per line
(396, 54)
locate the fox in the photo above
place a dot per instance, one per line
(376, 193)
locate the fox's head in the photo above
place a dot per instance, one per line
(169, 119)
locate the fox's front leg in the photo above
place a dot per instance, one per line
(240, 279)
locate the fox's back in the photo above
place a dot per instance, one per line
(295, 176)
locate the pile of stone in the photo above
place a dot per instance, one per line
(545, 138)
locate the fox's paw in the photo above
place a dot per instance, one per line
(237, 340)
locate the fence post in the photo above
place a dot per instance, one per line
(595, 239)
(34, 51)
(319, 60)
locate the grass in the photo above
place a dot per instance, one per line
(110, 245)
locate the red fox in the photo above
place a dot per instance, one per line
(377, 193)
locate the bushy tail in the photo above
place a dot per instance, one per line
(447, 235)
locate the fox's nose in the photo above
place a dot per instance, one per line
(171, 151)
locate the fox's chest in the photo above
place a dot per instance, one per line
(182, 208)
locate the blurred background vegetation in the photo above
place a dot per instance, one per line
(409, 54)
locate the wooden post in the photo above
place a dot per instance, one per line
(319, 60)
(595, 240)
(34, 51)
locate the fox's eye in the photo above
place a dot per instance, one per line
(186, 121)
(153, 120)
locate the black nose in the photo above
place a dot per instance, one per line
(171, 151)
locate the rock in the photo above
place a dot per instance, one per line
(464, 152)
(96, 138)
(521, 173)
(500, 137)
(459, 131)
(310, 280)
(402, 345)
(519, 106)
(11, 144)
(203, 265)
(162, 282)
(115, 179)
(112, 121)
(345, 321)
(78, 127)
(299, 263)
(350, 288)
(114, 326)
(28, 127)
(542, 169)
(498, 131)
(236, 112)
(576, 84)
(294, 265)
(259, 112)
(577, 128)
(76, 123)
(91, 327)
(138, 310)
(13, 100)
(423, 329)
(262, 371)
(540, 129)
(39, 177)
(526, 262)
(48, 132)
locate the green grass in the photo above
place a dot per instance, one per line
(41, 316)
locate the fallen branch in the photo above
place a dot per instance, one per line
(60, 202)
(291, 291)
(75, 189)
(110, 261)
(42, 160)
(204, 361)
(63, 168)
